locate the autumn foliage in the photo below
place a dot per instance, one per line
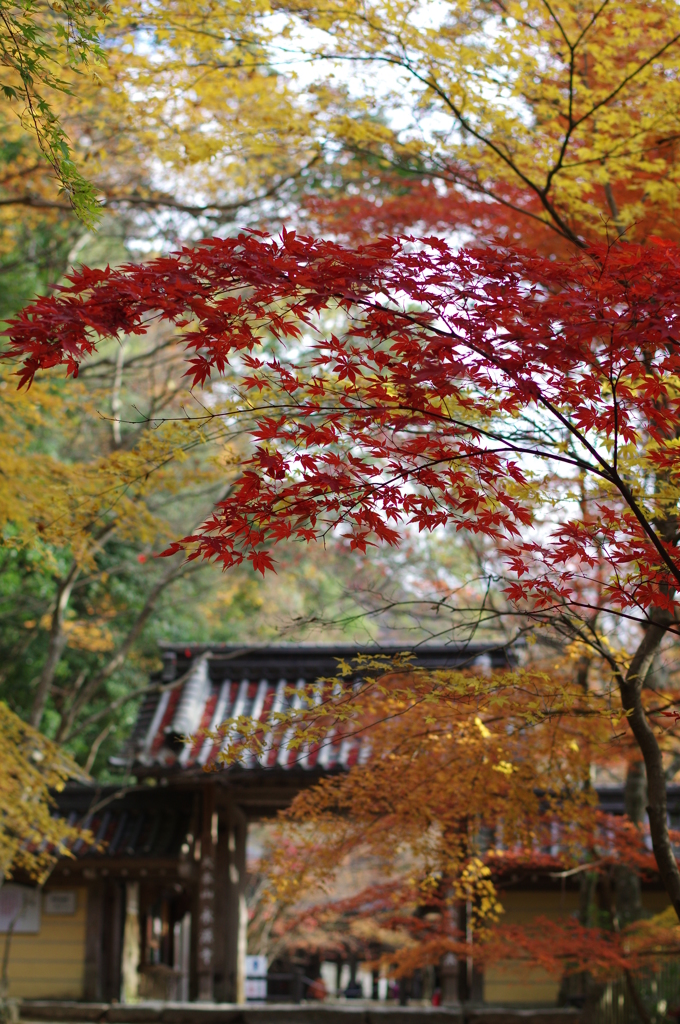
(459, 781)
(32, 837)
(405, 384)
(445, 372)
(525, 396)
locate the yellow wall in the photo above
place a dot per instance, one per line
(514, 982)
(655, 902)
(51, 963)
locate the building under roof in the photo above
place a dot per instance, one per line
(164, 879)
(168, 859)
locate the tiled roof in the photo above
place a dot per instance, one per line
(203, 685)
(139, 821)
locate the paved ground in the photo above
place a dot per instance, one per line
(58, 1012)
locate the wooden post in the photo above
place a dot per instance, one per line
(450, 980)
(230, 962)
(112, 939)
(131, 945)
(94, 930)
(206, 923)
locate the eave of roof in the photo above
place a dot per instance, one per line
(152, 823)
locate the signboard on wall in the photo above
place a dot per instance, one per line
(19, 904)
(60, 902)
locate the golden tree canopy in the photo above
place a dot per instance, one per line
(31, 839)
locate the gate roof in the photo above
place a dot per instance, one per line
(202, 685)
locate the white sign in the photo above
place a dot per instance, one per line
(60, 902)
(19, 904)
(256, 967)
(256, 989)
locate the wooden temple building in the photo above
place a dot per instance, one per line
(157, 905)
(156, 908)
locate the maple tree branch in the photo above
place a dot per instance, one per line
(458, 178)
(596, 14)
(559, 224)
(542, 193)
(430, 81)
(629, 78)
(515, 447)
(557, 21)
(571, 124)
(607, 471)
(625, 491)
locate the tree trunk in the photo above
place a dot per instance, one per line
(56, 644)
(631, 698)
(628, 891)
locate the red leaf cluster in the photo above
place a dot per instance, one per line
(424, 386)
